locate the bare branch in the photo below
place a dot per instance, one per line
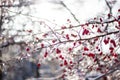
(110, 8)
(17, 5)
(114, 68)
(100, 35)
(9, 42)
(62, 3)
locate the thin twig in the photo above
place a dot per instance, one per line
(110, 13)
(62, 3)
(114, 68)
(82, 39)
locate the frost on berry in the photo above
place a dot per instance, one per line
(85, 32)
(38, 65)
(27, 49)
(86, 49)
(58, 51)
(65, 63)
(113, 42)
(87, 24)
(69, 49)
(101, 53)
(71, 62)
(101, 20)
(53, 41)
(117, 27)
(68, 20)
(67, 37)
(73, 35)
(42, 45)
(106, 41)
(29, 31)
(63, 27)
(114, 54)
(61, 57)
(109, 15)
(45, 35)
(91, 55)
(61, 65)
(118, 10)
(111, 49)
(99, 30)
(37, 38)
(45, 54)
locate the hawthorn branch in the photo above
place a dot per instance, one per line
(110, 8)
(110, 12)
(53, 32)
(63, 4)
(114, 68)
(9, 42)
(59, 73)
(17, 5)
(97, 36)
(52, 78)
(31, 16)
(92, 22)
(81, 25)
(1, 23)
(102, 35)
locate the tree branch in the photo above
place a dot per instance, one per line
(9, 42)
(62, 3)
(110, 13)
(17, 5)
(101, 35)
(114, 68)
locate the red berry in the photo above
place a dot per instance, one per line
(61, 57)
(91, 55)
(71, 62)
(101, 20)
(27, 49)
(53, 41)
(58, 51)
(46, 53)
(42, 45)
(106, 41)
(101, 53)
(86, 49)
(38, 65)
(61, 65)
(113, 42)
(109, 15)
(63, 27)
(85, 32)
(118, 10)
(29, 31)
(67, 36)
(99, 30)
(73, 35)
(65, 62)
(70, 49)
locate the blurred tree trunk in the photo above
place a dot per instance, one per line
(1, 22)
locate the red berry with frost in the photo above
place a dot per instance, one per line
(27, 49)
(86, 49)
(58, 51)
(65, 63)
(38, 65)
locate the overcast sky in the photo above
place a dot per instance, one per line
(83, 9)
